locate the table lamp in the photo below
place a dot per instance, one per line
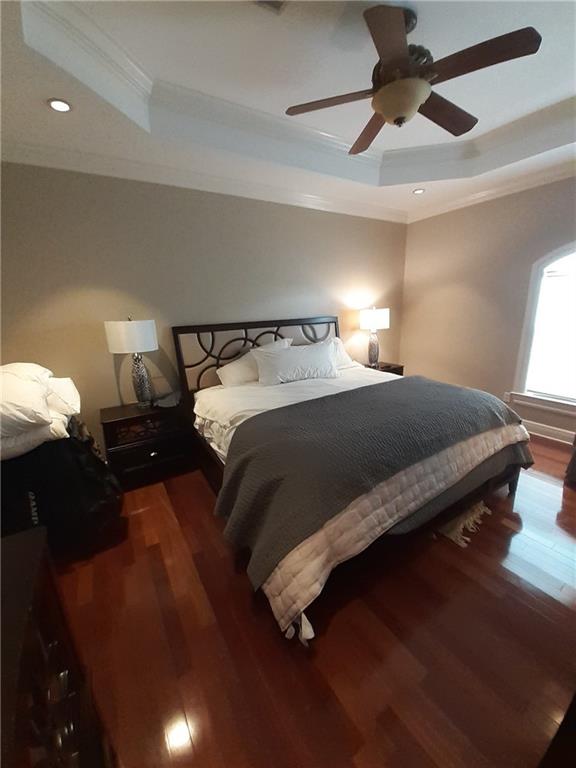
(374, 320)
(134, 337)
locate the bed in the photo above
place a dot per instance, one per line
(310, 473)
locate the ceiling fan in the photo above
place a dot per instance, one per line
(402, 78)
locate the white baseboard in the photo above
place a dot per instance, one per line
(553, 433)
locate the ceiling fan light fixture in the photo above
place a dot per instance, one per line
(401, 77)
(399, 100)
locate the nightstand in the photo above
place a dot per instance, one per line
(146, 445)
(388, 368)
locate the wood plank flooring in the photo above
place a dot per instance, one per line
(427, 655)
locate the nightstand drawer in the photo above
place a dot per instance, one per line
(152, 461)
(138, 430)
(149, 453)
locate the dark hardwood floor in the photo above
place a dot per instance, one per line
(427, 655)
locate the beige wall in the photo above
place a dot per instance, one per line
(80, 249)
(466, 286)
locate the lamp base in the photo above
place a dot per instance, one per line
(373, 349)
(141, 381)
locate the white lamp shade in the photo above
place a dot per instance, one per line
(125, 336)
(374, 319)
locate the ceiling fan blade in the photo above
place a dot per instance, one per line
(371, 130)
(514, 45)
(447, 115)
(388, 30)
(333, 101)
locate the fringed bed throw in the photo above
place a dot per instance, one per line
(469, 521)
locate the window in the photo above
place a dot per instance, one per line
(552, 362)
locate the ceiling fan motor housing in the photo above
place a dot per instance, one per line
(399, 100)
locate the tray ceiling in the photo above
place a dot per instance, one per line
(194, 93)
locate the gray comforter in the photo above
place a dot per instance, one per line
(291, 469)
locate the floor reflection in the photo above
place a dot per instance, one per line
(178, 736)
(544, 550)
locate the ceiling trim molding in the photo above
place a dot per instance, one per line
(187, 101)
(68, 37)
(526, 137)
(102, 165)
(530, 181)
(118, 167)
(185, 115)
(182, 114)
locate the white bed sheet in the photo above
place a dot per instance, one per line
(219, 411)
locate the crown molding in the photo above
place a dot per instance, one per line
(68, 37)
(531, 135)
(121, 168)
(186, 115)
(102, 165)
(559, 172)
(181, 114)
(187, 101)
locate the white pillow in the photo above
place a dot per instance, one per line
(341, 357)
(58, 426)
(309, 361)
(63, 397)
(17, 445)
(244, 370)
(23, 404)
(30, 371)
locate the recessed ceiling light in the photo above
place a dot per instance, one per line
(419, 191)
(58, 105)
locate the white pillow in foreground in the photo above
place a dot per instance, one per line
(29, 371)
(244, 370)
(63, 397)
(309, 361)
(23, 404)
(18, 445)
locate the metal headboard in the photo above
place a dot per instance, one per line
(201, 349)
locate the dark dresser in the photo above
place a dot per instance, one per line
(146, 445)
(48, 717)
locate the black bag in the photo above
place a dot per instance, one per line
(64, 486)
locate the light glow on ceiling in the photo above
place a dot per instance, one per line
(418, 191)
(59, 105)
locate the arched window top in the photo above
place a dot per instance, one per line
(551, 369)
